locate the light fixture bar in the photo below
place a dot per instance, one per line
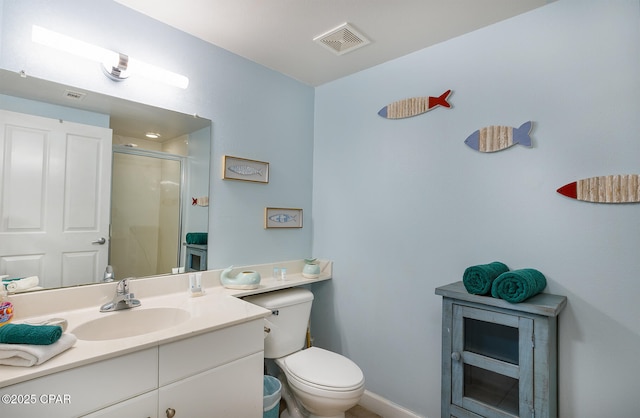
(116, 65)
(158, 74)
(70, 45)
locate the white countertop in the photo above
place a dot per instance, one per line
(217, 308)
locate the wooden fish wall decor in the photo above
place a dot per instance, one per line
(414, 106)
(624, 188)
(497, 138)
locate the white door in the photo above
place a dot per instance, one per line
(54, 199)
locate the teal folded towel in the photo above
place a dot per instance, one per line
(518, 285)
(30, 334)
(478, 279)
(197, 238)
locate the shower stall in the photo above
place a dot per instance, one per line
(146, 212)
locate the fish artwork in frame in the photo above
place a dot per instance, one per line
(282, 218)
(235, 168)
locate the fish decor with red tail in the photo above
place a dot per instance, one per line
(623, 188)
(414, 106)
(497, 138)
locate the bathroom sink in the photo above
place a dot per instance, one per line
(129, 323)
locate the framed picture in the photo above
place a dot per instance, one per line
(282, 218)
(247, 170)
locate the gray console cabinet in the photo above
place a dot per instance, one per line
(498, 359)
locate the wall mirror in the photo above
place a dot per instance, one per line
(82, 187)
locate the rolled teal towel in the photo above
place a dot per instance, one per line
(30, 334)
(518, 285)
(197, 238)
(478, 279)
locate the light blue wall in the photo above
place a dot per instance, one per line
(257, 113)
(404, 206)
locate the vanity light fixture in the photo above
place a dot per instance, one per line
(116, 66)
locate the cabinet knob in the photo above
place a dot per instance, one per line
(171, 412)
(455, 356)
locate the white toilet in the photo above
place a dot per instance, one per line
(324, 383)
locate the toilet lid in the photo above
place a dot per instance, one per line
(320, 367)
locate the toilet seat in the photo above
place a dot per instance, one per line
(325, 370)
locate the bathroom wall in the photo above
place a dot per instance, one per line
(404, 206)
(257, 113)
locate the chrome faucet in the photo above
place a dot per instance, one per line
(122, 300)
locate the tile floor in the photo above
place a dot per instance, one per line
(355, 412)
(360, 412)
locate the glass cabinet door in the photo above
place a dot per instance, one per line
(492, 362)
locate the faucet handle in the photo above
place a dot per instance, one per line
(123, 287)
(108, 274)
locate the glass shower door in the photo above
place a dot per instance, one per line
(145, 213)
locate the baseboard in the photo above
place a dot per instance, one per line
(384, 407)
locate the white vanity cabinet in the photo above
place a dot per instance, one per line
(145, 405)
(213, 374)
(218, 374)
(74, 392)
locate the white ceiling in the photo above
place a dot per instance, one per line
(279, 33)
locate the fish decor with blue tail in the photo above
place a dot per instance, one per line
(414, 106)
(498, 138)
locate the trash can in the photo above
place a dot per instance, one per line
(271, 389)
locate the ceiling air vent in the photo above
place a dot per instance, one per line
(74, 95)
(345, 38)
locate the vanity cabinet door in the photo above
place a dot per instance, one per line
(143, 406)
(228, 391)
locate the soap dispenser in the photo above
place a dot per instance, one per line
(195, 284)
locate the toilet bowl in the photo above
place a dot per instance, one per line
(325, 384)
(317, 383)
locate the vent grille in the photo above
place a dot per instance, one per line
(74, 95)
(345, 38)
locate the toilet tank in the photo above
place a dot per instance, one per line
(288, 322)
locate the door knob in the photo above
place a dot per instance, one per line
(171, 412)
(101, 241)
(455, 356)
